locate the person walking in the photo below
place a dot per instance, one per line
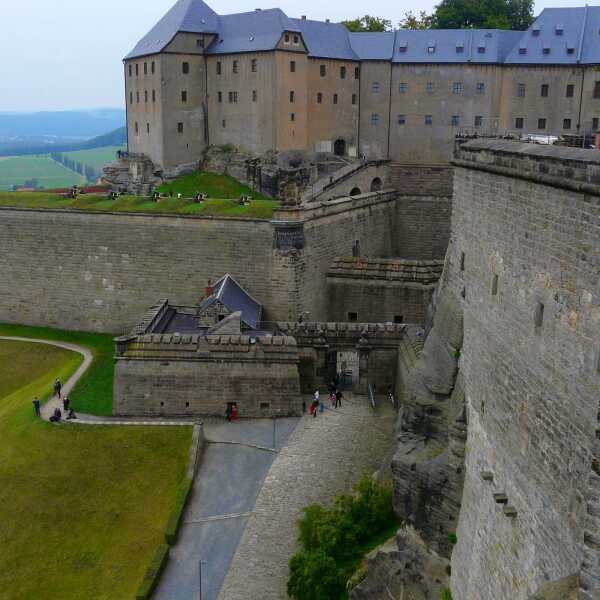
(66, 403)
(57, 387)
(338, 399)
(36, 407)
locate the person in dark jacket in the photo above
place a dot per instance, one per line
(36, 406)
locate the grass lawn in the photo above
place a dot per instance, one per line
(213, 184)
(15, 170)
(96, 157)
(93, 393)
(82, 509)
(258, 208)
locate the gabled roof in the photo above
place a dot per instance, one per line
(251, 31)
(373, 46)
(326, 40)
(230, 293)
(192, 16)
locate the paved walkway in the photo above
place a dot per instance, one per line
(323, 457)
(234, 466)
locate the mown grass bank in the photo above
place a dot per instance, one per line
(82, 509)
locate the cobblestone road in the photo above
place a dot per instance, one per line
(323, 457)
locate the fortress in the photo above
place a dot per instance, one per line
(263, 81)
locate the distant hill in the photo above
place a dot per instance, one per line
(80, 124)
(117, 137)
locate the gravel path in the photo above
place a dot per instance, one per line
(323, 457)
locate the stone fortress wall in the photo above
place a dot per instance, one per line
(99, 271)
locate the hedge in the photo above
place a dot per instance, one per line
(183, 493)
(153, 573)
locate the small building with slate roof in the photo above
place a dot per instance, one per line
(264, 81)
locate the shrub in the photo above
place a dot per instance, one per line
(452, 538)
(334, 539)
(446, 594)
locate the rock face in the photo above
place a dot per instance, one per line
(133, 173)
(428, 465)
(403, 568)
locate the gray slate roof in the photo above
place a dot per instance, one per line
(546, 42)
(230, 293)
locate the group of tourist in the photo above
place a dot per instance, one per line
(335, 400)
(57, 415)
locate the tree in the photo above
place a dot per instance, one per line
(368, 23)
(488, 14)
(410, 21)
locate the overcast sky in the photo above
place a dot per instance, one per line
(64, 54)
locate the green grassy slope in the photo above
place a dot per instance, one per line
(97, 158)
(15, 170)
(213, 184)
(81, 509)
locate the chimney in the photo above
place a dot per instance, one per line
(327, 21)
(304, 17)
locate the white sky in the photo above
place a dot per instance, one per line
(64, 54)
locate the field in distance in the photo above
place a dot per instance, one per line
(97, 157)
(16, 170)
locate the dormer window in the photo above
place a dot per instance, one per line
(460, 48)
(403, 47)
(481, 49)
(570, 49)
(559, 29)
(200, 43)
(286, 38)
(431, 48)
(296, 40)
(535, 31)
(523, 50)
(546, 49)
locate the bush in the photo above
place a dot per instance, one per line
(333, 540)
(452, 538)
(153, 573)
(183, 494)
(446, 594)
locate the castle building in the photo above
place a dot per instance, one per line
(263, 81)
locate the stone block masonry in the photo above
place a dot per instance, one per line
(525, 261)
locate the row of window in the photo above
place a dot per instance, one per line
(457, 87)
(146, 96)
(137, 69)
(545, 90)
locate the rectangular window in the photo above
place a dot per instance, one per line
(292, 96)
(401, 119)
(323, 70)
(342, 72)
(234, 66)
(130, 71)
(146, 96)
(200, 43)
(478, 121)
(148, 128)
(481, 49)
(292, 116)
(137, 69)
(595, 124)
(224, 123)
(429, 87)
(286, 38)
(352, 317)
(544, 90)
(319, 98)
(254, 95)
(457, 87)
(521, 90)
(130, 97)
(597, 89)
(375, 87)
(460, 48)
(184, 96)
(220, 96)
(335, 98)
(566, 123)
(179, 127)
(428, 120)
(374, 119)
(519, 121)
(541, 123)
(292, 66)
(153, 95)
(570, 90)
(403, 87)
(233, 97)
(296, 40)
(254, 65)
(219, 68)
(152, 67)
(353, 98)
(430, 49)
(185, 68)
(356, 72)
(145, 68)
(136, 128)
(480, 87)
(455, 120)
(137, 97)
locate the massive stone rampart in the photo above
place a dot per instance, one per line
(524, 266)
